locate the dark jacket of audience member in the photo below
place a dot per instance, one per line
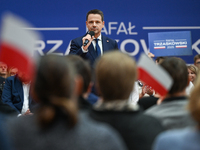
(115, 80)
(13, 93)
(147, 102)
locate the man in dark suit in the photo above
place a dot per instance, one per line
(16, 93)
(98, 44)
(5, 108)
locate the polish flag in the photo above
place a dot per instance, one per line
(161, 47)
(17, 44)
(182, 46)
(154, 75)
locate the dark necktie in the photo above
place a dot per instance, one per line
(98, 50)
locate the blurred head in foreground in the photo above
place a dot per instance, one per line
(83, 70)
(115, 76)
(53, 88)
(177, 69)
(194, 102)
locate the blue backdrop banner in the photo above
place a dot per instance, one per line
(127, 21)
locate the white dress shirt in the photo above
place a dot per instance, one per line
(25, 107)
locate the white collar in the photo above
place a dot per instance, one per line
(99, 37)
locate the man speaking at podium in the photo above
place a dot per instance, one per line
(93, 43)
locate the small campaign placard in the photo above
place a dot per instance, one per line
(170, 43)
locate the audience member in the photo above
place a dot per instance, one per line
(187, 138)
(115, 80)
(16, 93)
(56, 125)
(83, 69)
(12, 71)
(159, 60)
(172, 111)
(192, 73)
(148, 96)
(197, 61)
(134, 96)
(3, 70)
(147, 102)
(5, 108)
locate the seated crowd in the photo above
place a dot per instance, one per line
(57, 109)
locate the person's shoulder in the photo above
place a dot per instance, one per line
(106, 134)
(78, 38)
(12, 79)
(173, 138)
(151, 120)
(153, 109)
(107, 38)
(100, 128)
(90, 123)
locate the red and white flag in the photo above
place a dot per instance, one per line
(17, 44)
(154, 75)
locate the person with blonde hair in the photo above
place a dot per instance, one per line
(56, 123)
(192, 73)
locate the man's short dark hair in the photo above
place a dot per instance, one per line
(177, 68)
(95, 11)
(196, 57)
(82, 68)
(159, 59)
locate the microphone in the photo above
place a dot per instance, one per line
(87, 41)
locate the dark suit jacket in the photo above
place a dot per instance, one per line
(13, 94)
(2, 82)
(136, 129)
(76, 44)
